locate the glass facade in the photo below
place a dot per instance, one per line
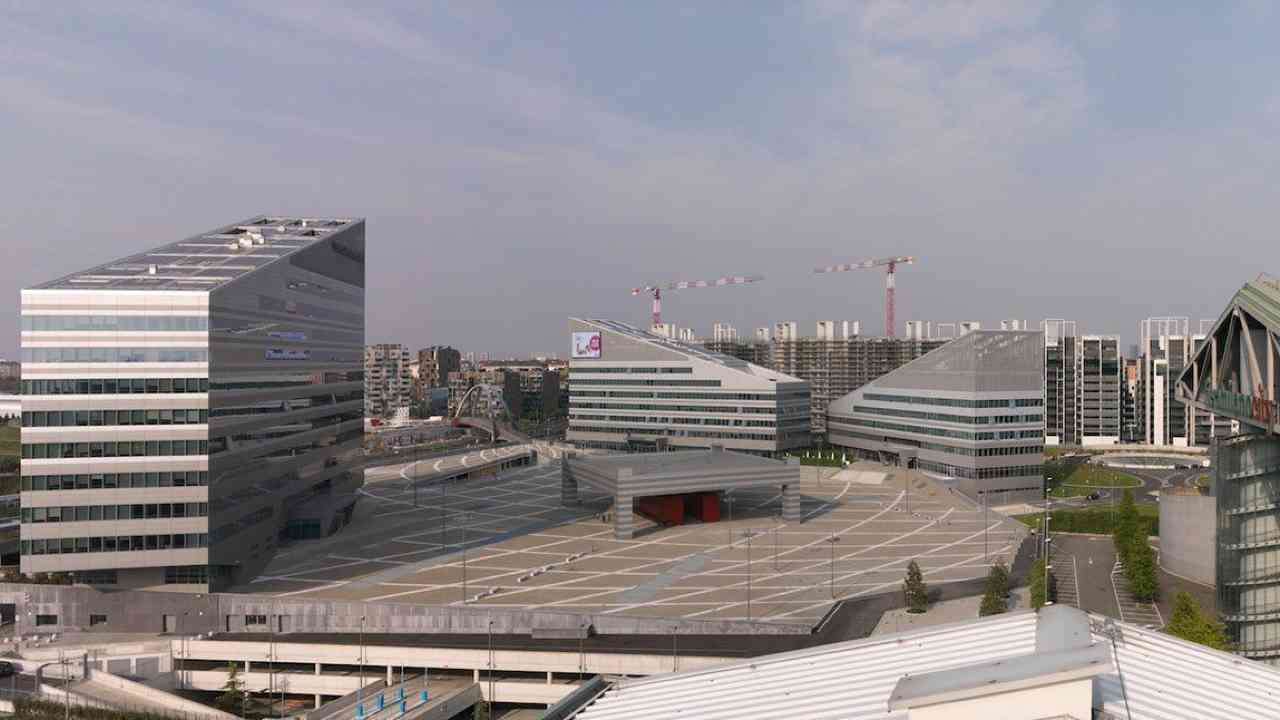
(213, 406)
(1247, 486)
(286, 400)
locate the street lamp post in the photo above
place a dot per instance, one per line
(749, 534)
(466, 526)
(675, 655)
(832, 542)
(986, 553)
(360, 687)
(490, 698)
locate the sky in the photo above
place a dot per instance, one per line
(520, 163)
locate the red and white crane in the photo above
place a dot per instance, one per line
(656, 290)
(890, 264)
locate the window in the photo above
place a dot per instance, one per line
(97, 620)
(193, 575)
(46, 620)
(255, 620)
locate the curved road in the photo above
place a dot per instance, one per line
(430, 468)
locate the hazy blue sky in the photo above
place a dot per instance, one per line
(522, 162)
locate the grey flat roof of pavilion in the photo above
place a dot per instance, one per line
(682, 461)
(207, 260)
(682, 471)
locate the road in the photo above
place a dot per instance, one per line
(425, 469)
(1094, 556)
(1154, 481)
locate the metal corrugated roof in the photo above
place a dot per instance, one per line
(1163, 677)
(840, 681)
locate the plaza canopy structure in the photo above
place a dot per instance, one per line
(633, 477)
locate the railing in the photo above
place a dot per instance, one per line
(57, 704)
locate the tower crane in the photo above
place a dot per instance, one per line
(656, 290)
(890, 264)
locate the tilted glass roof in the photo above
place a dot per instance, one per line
(207, 260)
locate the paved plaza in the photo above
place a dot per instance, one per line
(523, 550)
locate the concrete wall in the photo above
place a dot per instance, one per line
(1188, 526)
(379, 657)
(133, 612)
(148, 696)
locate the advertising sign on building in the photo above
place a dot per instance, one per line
(586, 345)
(287, 354)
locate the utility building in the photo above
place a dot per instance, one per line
(633, 390)
(187, 407)
(971, 411)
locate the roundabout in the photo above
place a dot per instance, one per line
(1151, 461)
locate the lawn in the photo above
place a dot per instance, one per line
(1084, 478)
(1092, 520)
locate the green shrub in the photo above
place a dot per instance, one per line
(994, 597)
(1189, 622)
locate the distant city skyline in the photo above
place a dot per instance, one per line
(517, 165)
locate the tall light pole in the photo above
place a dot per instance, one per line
(749, 534)
(466, 525)
(675, 655)
(832, 542)
(491, 698)
(360, 688)
(986, 553)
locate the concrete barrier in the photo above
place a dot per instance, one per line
(148, 695)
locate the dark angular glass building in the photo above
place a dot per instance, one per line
(187, 408)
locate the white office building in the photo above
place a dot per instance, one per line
(633, 390)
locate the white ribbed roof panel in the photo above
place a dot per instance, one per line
(1164, 678)
(842, 681)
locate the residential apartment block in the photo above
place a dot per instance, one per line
(1083, 386)
(388, 379)
(1167, 345)
(187, 407)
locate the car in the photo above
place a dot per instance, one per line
(1094, 495)
(7, 668)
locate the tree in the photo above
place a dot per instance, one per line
(1189, 622)
(1140, 568)
(914, 590)
(994, 599)
(1040, 592)
(1127, 531)
(481, 711)
(232, 698)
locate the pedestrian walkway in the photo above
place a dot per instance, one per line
(1066, 577)
(1132, 611)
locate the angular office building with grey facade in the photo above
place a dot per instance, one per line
(633, 390)
(971, 411)
(186, 408)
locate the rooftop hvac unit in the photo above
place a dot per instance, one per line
(151, 269)
(245, 242)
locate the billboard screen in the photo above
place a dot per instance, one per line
(586, 345)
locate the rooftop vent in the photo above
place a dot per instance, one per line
(151, 269)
